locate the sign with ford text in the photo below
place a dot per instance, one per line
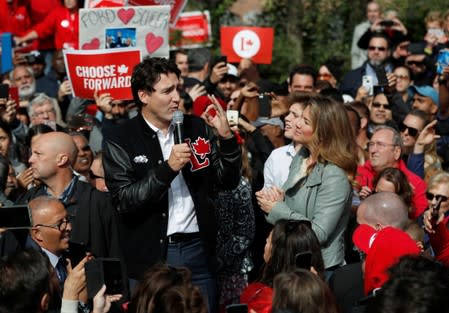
(241, 42)
(176, 6)
(143, 27)
(191, 31)
(104, 70)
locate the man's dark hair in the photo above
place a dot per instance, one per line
(24, 280)
(416, 285)
(147, 73)
(303, 69)
(381, 35)
(197, 58)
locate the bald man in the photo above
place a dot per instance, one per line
(379, 211)
(383, 209)
(94, 222)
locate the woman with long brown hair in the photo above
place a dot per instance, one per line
(318, 187)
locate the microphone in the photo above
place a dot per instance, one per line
(178, 119)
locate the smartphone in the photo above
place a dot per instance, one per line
(367, 83)
(264, 106)
(222, 58)
(237, 308)
(76, 252)
(14, 95)
(304, 260)
(30, 58)
(4, 91)
(415, 48)
(443, 60)
(104, 271)
(15, 217)
(381, 74)
(233, 117)
(386, 23)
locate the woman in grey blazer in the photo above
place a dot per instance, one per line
(318, 187)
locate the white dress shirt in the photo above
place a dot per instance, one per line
(277, 166)
(181, 213)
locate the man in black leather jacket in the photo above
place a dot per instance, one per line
(163, 190)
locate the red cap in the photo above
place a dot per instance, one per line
(202, 102)
(363, 237)
(388, 246)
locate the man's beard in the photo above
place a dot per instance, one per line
(26, 91)
(376, 63)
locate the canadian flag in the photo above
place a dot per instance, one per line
(255, 43)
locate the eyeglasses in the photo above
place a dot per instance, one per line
(61, 225)
(372, 48)
(93, 176)
(385, 106)
(430, 196)
(381, 145)
(324, 76)
(402, 77)
(411, 131)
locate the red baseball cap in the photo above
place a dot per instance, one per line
(383, 249)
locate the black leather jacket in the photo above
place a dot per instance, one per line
(138, 179)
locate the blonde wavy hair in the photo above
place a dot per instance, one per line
(332, 140)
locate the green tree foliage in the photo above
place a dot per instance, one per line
(311, 31)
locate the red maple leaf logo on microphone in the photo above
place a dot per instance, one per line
(201, 147)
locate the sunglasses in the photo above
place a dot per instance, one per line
(417, 63)
(386, 106)
(372, 48)
(430, 196)
(411, 131)
(325, 76)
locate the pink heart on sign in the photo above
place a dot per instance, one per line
(153, 42)
(92, 45)
(125, 15)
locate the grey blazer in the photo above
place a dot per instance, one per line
(322, 197)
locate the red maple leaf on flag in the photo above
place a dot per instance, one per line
(249, 42)
(201, 147)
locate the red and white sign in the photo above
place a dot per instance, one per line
(191, 31)
(255, 43)
(102, 70)
(144, 27)
(176, 7)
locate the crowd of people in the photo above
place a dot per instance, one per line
(327, 192)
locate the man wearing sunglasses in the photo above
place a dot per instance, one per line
(378, 57)
(410, 128)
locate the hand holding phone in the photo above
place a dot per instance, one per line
(233, 117)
